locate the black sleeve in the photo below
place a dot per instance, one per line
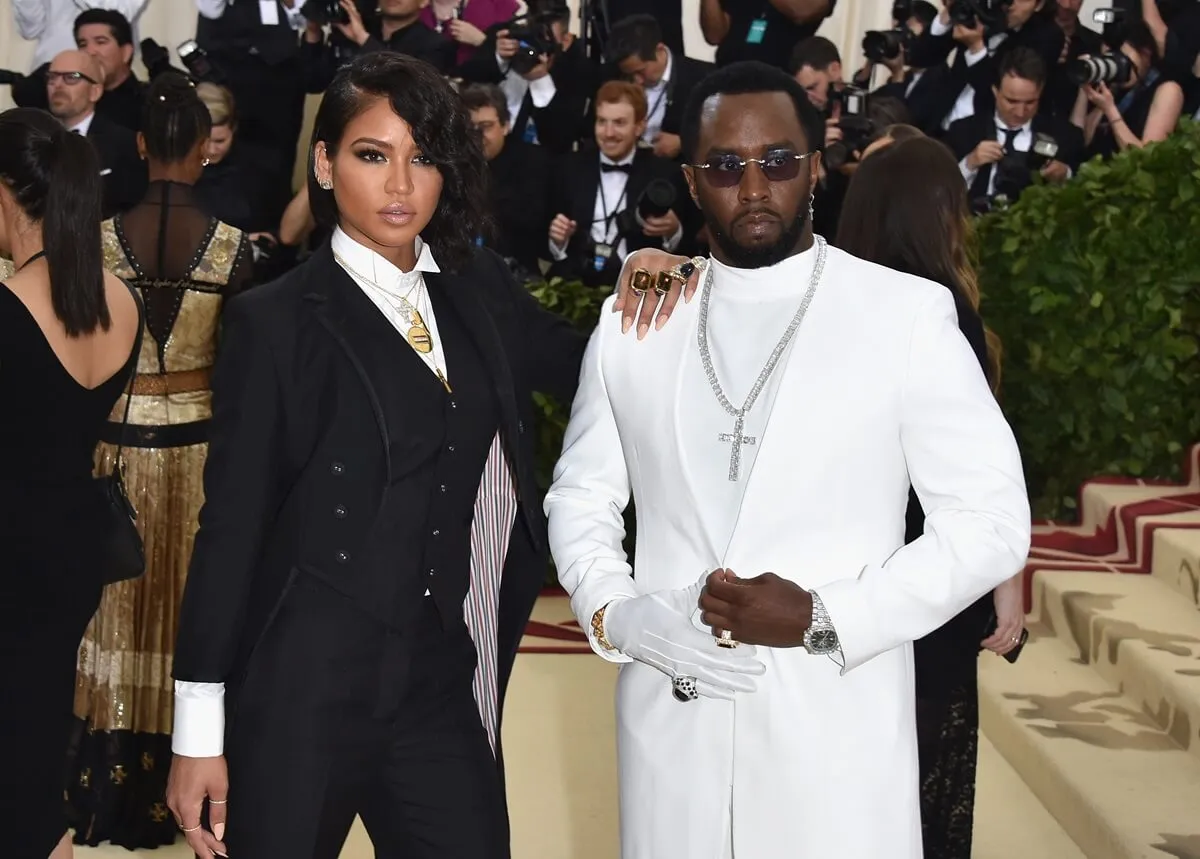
(554, 346)
(959, 138)
(318, 64)
(1070, 145)
(30, 91)
(481, 67)
(241, 496)
(929, 50)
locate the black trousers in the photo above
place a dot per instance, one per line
(337, 718)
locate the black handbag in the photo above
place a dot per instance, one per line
(125, 554)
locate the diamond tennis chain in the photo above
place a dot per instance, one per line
(737, 438)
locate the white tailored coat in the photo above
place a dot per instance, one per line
(878, 388)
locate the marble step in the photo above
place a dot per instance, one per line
(1139, 634)
(1117, 784)
(1177, 561)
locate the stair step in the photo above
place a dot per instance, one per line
(1116, 783)
(1138, 634)
(1177, 560)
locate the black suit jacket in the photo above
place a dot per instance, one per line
(304, 421)
(123, 171)
(686, 74)
(573, 193)
(965, 134)
(520, 193)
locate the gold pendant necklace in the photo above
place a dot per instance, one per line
(418, 334)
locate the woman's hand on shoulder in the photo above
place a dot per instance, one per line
(649, 308)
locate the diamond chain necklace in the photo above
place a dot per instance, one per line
(737, 438)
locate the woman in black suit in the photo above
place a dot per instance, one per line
(907, 208)
(371, 544)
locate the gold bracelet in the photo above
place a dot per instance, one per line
(598, 628)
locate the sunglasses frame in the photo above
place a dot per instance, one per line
(710, 172)
(67, 79)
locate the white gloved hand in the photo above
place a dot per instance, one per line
(656, 629)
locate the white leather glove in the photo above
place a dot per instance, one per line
(656, 629)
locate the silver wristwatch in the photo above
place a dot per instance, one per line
(820, 639)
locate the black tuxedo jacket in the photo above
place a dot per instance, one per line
(967, 133)
(124, 172)
(573, 193)
(519, 184)
(310, 433)
(686, 73)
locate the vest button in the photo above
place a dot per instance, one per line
(342, 557)
(443, 487)
(337, 468)
(436, 532)
(450, 448)
(520, 426)
(340, 511)
(432, 571)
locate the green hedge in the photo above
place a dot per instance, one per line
(1094, 288)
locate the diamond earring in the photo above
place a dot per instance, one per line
(325, 184)
(811, 198)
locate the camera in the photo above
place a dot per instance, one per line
(1108, 69)
(972, 13)
(655, 201)
(880, 45)
(196, 60)
(534, 35)
(1014, 172)
(857, 128)
(325, 12)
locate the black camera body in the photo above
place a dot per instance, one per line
(1014, 172)
(880, 45)
(972, 13)
(655, 201)
(857, 128)
(1111, 69)
(324, 12)
(902, 10)
(534, 34)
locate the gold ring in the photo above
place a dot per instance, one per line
(726, 640)
(217, 801)
(641, 281)
(193, 829)
(662, 284)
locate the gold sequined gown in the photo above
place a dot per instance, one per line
(184, 264)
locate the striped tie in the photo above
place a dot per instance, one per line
(495, 513)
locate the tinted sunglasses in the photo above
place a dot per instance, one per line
(726, 171)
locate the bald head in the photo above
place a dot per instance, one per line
(74, 83)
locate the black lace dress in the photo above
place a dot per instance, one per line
(947, 694)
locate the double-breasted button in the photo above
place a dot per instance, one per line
(436, 532)
(338, 468)
(453, 404)
(432, 571)
(339, 511)
(450, 448)
(342, 557)
(442, 488)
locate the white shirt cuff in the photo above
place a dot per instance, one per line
(937, 28)
(557, 254)
(542, 91)
(295, 20)
(967, 173)
(669, 244)
(199, 720)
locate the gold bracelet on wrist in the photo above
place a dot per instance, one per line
(598, 628)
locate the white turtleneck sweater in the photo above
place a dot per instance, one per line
(749, 310)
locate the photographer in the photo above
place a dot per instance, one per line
(466, 22)
(984, 31)
(816, 65)
(1132, 101)
(763, 30)
(637, 50)
(544, 72)
(997, 153)
(889, 49)
(1175, 25)
(1079, 41)
(395, 26)
(51, 23)
(614, 201)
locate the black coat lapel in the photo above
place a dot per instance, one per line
(329, 306)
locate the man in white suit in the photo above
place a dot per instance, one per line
(769, 439)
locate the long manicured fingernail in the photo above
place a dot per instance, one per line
(219, 830)
(660, 322)
(625, 323)
(642, 329)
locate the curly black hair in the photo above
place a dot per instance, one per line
(441, 127)
(174, 119)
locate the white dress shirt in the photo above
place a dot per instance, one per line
(84, 125)
(214, 9)
(1023, 142)
(656, 98)
(51, 23)
(200, 707)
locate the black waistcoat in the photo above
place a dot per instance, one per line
(422, 535)
(240, 28)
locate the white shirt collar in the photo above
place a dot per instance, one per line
(666, 78)
(628, 159)
(377, 271)
(1001, 125)
(84, 124)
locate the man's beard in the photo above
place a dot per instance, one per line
(759, 256)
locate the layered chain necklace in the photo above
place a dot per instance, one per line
(738, 438)
(418, 335)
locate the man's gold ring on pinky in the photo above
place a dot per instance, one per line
(217, 801)
(726, 639)
(195, 828)
(642, 280)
